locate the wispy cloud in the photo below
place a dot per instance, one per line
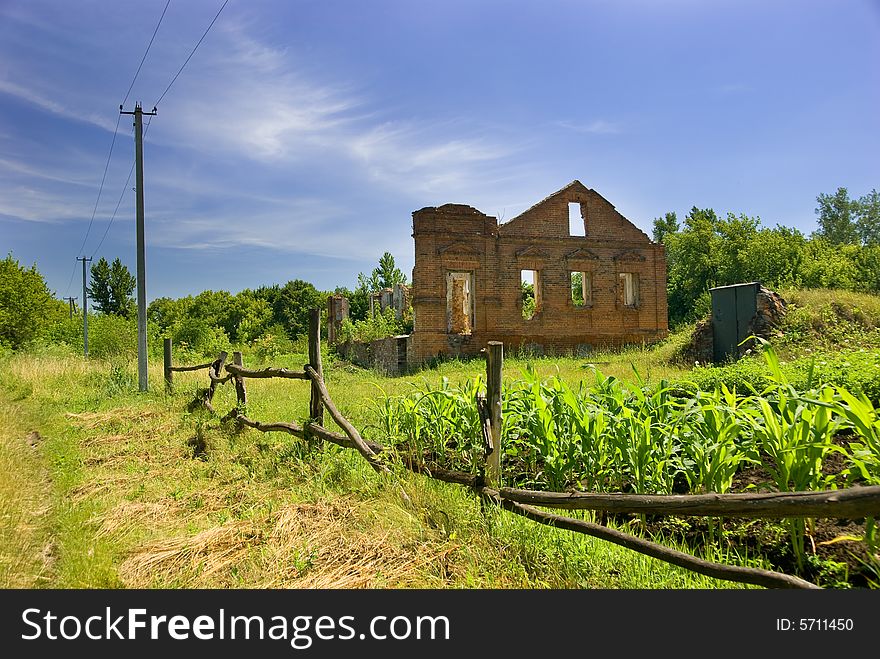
(25, 169)
(44, 103)
(412, 157)
(595, 127)
(30, 204)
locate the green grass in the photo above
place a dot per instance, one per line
(130, 490)
(131, 501)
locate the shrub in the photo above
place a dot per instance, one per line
(377, 326)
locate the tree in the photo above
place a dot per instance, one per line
(358, 301)
(112, 288)
(868, 218)
(27, 308)
(665, 225)
(387, 273)
(836, 213)
(291, 304)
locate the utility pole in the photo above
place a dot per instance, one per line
(85, 306)
(70, 301)
(141, 259)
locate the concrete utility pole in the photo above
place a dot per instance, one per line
(85, 306)
(70, 301)
(141, 258)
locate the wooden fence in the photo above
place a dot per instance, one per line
(847, 503)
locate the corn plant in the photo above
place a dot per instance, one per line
(859, 414)
(796, 439)
(711, 451)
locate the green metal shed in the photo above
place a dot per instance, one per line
(733, 308)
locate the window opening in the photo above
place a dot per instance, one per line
(577, 226)
(629, 289)
(459, 302)
(531, 293)
(582, 289)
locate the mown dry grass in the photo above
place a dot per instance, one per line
(328, 544)
(27, 552)
(144, 494)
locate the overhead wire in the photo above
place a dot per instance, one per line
(128, 92)
(113, 143)
(100, 190)
(149, 45)
(122, 194)
(195, 48)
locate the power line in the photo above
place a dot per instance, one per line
(113, 143)
(70, 281)
(191, 54)
(121, 196)
(145, 53)
(100, 189)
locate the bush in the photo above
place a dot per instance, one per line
(378, 326)
(272, 343)
(854, 370)
(112, 336)
(197, 337)
(27, 308)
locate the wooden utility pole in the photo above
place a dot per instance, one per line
(70, 301)
(141, 258)
(85, 307)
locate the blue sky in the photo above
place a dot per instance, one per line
(302, 134)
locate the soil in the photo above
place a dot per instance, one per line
(836, 554)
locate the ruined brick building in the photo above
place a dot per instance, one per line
(598, 280)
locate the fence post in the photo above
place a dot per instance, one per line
(240, 392)
(316, 407)
(494, 361)
(217, 367)
(169, 384)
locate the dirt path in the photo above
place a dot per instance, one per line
(27, 549)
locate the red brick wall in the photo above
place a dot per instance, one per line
(461, 238)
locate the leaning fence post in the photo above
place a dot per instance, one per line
(494, 361)
(240, 392)
(169, 384)
(316, 407)
(216, 368)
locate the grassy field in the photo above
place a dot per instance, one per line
(129, 490)
(104, 487)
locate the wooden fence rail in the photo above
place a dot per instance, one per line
(855, 502)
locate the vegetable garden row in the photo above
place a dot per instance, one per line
(634, 441)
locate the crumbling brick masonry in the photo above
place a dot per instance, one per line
(600, 284)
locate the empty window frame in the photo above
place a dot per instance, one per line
(628, 290)
(582, 289)
(577, 225)
(531, 293)
(459, 302)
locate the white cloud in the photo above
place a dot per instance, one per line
(44, 103)
(596, 127)
(29, 170)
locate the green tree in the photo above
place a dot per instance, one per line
(387, 274)
(290, 304)
(27, 308)
(836, 218)
(358, 301)
(776, 256)
(868, 218)
(112, 287)
(665, 225)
